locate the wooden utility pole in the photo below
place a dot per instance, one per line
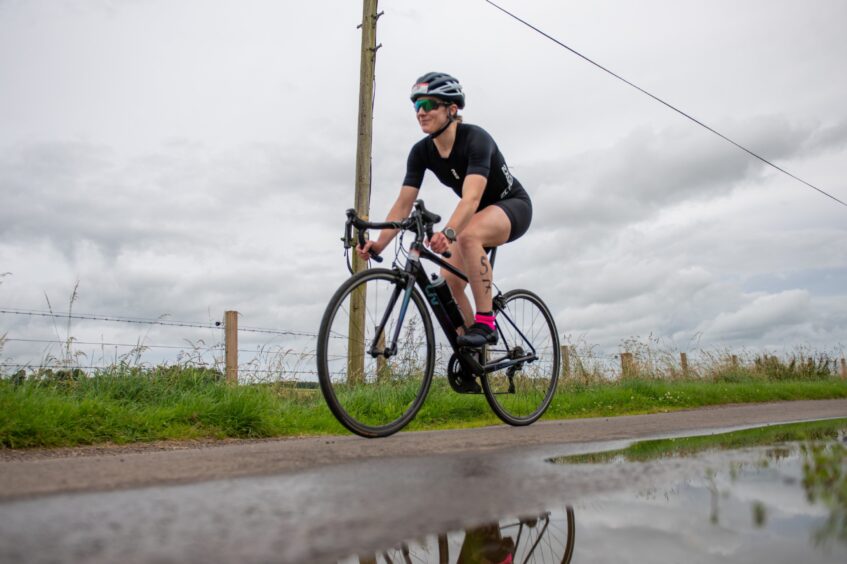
(364, 143)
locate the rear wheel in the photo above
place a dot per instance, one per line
(520, 394)
(374, 395)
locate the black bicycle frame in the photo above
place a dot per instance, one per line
(414, 273)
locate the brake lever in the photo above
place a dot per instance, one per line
(361, 236)
(429, 233)
(347, 238)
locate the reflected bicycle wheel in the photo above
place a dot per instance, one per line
(521, 394)
(547, 538)
(371, 395)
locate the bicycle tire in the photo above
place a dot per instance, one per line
(551, 538)
(377, 397)
(523, 319)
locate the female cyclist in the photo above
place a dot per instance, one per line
(494, 208)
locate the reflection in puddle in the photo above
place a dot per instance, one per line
(548, 537)
(785, 502)
(754, 505)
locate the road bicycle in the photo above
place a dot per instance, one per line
(376, 346)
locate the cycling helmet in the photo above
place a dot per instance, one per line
(439, 85)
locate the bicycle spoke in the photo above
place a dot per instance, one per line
(374, 395)
(519, 395)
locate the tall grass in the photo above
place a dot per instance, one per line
(63, 408)
(52, 408)
(61, 404)
(654, 359)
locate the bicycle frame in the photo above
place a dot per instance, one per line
(414, 273)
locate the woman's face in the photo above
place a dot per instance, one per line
(434, 119)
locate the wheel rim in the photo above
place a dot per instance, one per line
(376, 395)
(524, 320)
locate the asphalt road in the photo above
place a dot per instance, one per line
(26, 474)
(322, 499)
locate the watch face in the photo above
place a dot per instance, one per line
(450, 234)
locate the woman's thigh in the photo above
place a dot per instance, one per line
(489, 227)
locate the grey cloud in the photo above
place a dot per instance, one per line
(646, 224)
(829, 137)
(761, 315)
(649, 170)
(73, 192)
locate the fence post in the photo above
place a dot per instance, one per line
(843, 368)
(566, 360)
(231, 346)
(734, 359)
(627, 368)
(683, 361)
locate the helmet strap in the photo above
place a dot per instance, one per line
(444, 127)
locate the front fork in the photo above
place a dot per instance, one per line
(405, 291)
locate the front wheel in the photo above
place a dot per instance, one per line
(374, 395)
(520, 394)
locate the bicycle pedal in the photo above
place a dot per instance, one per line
(471, 391)
(464, 385)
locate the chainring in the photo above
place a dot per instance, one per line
(461, 380)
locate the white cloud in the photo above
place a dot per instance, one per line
(759, 316)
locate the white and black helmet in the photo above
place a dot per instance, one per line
(439, 85)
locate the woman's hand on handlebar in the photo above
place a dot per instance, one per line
(439, 243)
(365, 251)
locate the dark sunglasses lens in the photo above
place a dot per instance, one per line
(427, 105)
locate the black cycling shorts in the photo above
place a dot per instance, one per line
(519, 212)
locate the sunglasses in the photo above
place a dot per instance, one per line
(428, 105)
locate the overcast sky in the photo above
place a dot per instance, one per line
(183, 158)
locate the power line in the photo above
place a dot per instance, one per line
(674, 108)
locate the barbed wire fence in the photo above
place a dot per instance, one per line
(294, 360)
(264, 359)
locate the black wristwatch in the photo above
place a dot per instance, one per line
(450, 233)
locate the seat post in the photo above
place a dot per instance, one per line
(492, 253)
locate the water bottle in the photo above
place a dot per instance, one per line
(439, 293)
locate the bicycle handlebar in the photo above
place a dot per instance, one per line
(420, 221)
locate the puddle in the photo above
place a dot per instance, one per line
(774, 494)
(546, 537)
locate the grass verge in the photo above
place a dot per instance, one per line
(642, 451)
(179, 403)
